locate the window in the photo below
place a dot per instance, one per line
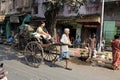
(26, 3)
(3, 1)
(35, 9)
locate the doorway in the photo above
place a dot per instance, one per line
(87, 32)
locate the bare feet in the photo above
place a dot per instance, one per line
(115, 68)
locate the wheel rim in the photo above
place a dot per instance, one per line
(50, 53)
(33, 54)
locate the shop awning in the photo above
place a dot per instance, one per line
(91, 26)
(14, 19)
(89, 23)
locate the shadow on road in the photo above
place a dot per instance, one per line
(52, 65)
(81, 61)
(7, 53)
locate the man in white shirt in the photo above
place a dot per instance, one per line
(65, 40)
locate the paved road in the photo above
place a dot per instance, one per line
(17, 70)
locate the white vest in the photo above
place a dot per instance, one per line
(64, 39)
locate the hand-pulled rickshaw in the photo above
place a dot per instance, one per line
(35, 51)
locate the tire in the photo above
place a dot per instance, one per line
(50, 53)
(33, 54)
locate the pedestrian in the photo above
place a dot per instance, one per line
(65, 40)
(115, 44)
(92, 46)
(78, 41)
(103, 44)
(73, 42)
(58, 37)
(11, 37)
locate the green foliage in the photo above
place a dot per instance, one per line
(115, 32)
(52, 8)
(81, 53)
(57, 4)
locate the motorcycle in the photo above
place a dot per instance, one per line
(2, 72)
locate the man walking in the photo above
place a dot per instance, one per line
(65, 40)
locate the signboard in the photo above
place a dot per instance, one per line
(14, 19)
(2, 18)
(89, 19)
(90, 26)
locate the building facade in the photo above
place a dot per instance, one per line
(14, 12)
(85, 18)
(15, 6)
(111, 19)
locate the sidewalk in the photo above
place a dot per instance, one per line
(101, 57)
(77, 51)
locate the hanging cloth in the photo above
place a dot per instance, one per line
(26, 19)
(1, 30)
(8, 29)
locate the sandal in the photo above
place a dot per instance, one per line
(68, 68)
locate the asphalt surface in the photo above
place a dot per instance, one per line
(18, 70)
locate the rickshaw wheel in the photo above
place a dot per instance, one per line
(33, 54)
(50, 53)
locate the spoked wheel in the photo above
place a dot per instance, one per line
(50, 53)
(33, 54)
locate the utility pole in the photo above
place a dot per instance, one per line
(0, 6)
(32, 3)
(7, 6)
(101, 28)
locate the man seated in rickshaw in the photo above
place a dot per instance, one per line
(45, 36)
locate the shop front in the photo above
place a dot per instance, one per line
(90, 24)
(75, 28)
(2, 26)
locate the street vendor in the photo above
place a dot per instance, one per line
(92, 45)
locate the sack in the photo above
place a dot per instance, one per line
(29, 28)
(11, 39)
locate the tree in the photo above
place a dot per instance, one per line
(52, 8)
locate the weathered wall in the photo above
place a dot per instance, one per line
(109, 30)
(112, 11)
(67, 11)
